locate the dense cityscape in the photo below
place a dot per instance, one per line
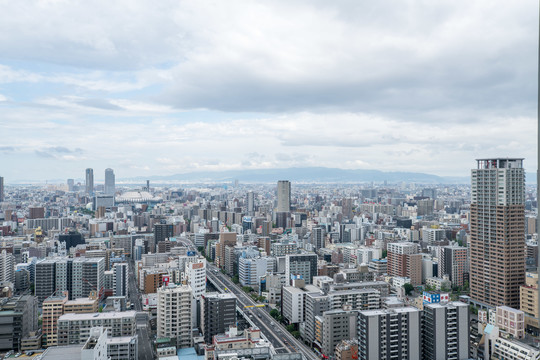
(282, 270)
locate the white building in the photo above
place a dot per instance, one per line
(195, 274)
(250, 270)
(120, 279)
(174, 314)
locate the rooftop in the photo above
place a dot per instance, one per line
(94, 316)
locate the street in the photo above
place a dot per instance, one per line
(280, 338)
(146, 351)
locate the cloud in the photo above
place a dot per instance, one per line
(238, 84)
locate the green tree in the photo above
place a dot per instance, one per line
(290, 328)
(408, 288)
(274, 313)
(384, 254)
(201, 249)
(295, 333)
(235, 279)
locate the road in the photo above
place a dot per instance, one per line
(146, 350)
(276, 333)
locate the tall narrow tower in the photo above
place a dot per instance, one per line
(497, 231)
(283, 196)
(89, 181)
(110, 186)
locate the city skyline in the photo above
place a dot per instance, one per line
(360, 83)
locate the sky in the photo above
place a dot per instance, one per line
(170, 87)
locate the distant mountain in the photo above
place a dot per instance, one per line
(309, 174)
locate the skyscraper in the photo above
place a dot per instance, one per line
(70, 184)
(110, 186)
(283, 196)
(89, 181)
(250, 203)
(2, 196)
(497, 267)
(218, 312)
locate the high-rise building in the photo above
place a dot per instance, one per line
(174, 314)
(120, 279)
(7, 267)
(453, 262)
(89, 181)
(196, 276)
(45, 279)
(404, 261)
(53, 308)
(318, 236)
(302, 265)
(71, 184)
(390, 334)
(19, 317)
(163, 232)
(88, 275)
(446, 331)
(2, 194)
(76, 328)
(337, 325)
(497, 261)
(36, 212)
(110, 187)
(218, 313)
(250, 203)
(283, 196)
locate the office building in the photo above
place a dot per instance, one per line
(89, 183)
(446, 331)
(52, 309)
(19, 317)
(218, 313)
(337, 325)
(7, 267)
(36, 212)
(196, 276)
(72, 239)
(497, 261)
(174, 314)
(110, 187)
(318, 236)
(76, 328)
(251, 270)
(71, 184)
(163, 232)
(404, 261)
(88, 275)
(284, 196)
(120, 279)
(301, 265)
(453, 262)
(250, 203)
(390, 334)
(45, 279)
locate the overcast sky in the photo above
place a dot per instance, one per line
(166, 87)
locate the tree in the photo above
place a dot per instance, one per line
(408, 288)
(295, 333)
(274, 313)
(290, 328)
(201, 249)
(235, 279)
(384, 254)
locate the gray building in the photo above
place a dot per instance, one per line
(446, 331)
(218, 313)
(45, 281)
(120, 279)
(18, 317)
(303, 265)
(89, 182)
(88, 275)
(110, 187)
(390, 334)
(284, 196)
(2, 193)
(337, 325)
